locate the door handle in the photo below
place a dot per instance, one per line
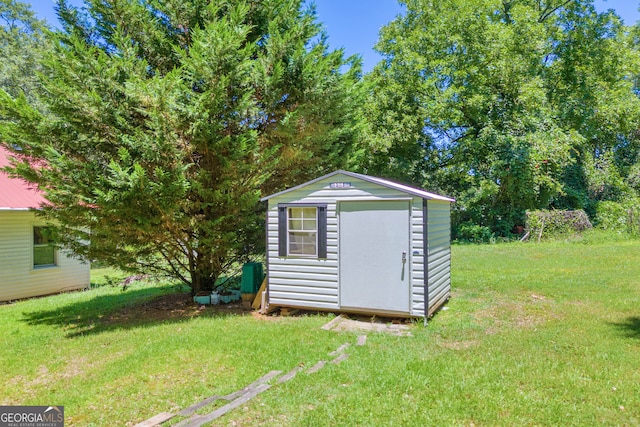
(404, 256)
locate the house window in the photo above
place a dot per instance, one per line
(302, 230)
(44, 251)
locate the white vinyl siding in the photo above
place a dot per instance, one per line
(18, 277)
(303, 281)
(439, 269)
(417, 257)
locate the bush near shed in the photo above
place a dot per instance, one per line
(555, 223)
(473, 233)
(621, 217)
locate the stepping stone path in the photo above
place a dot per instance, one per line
(244, 395)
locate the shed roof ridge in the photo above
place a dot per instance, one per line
(376, 180)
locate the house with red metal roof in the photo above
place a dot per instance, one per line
(30, 264)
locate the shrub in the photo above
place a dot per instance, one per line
(473, 233)
(556, 223)
(620, 217)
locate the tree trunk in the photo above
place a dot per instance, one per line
(202, 281)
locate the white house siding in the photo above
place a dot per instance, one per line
(305, 282)
(18, 278)
(439, 256)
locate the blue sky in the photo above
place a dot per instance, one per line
(354, 24)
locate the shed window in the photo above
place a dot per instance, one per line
(44, 251)
(302, 230)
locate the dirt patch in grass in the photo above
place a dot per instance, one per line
(459, 345)
(45, 379)
(170, 307)
(525, 314)
(103, 311)
(266, 317)
(129, 309)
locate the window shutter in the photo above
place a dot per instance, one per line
(282, 231)
(322, 231)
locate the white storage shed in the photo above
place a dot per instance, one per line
(356, 243)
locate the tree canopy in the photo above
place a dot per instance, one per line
(22, 41)
(166, 121)
(507, 105)
(155, 126)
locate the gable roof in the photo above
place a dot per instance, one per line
(15, 193)
(380, 181)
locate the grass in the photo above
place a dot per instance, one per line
(535, 334)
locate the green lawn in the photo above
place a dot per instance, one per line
(535, 334)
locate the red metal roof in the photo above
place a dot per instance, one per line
(16, 193)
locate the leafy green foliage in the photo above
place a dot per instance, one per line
(22, 42)
(472, 233)
(603, 179)
(504, 105)
(168, 120)
(621, 217)
(633, 178)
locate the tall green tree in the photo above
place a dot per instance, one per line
(22, 41)
(592, 85)
(497, 101)
(168, 120)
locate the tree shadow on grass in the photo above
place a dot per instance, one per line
(630, 327)
(125, 310)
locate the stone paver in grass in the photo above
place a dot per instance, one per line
(367, 324)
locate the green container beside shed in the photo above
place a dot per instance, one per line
(252, 276)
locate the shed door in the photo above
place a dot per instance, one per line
(374, 255)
